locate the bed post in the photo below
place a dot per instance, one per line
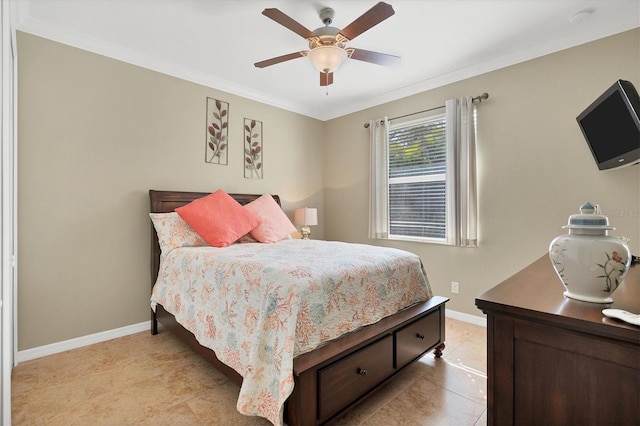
(154, 323)
(438, 349)
(155, 260)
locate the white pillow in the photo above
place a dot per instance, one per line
(174, 232)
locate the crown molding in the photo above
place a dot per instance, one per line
(142, 59)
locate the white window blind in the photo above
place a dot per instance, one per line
(417, 178)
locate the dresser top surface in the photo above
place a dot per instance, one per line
(537, 292)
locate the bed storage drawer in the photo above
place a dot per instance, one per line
(351, 377)
(416, 338)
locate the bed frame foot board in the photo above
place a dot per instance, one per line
(332, 379)
(307, 405)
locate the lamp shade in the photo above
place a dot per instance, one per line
(306, 216)
(327, 58)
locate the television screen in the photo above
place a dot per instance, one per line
(611, 126)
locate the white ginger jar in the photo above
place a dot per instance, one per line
(590, 263)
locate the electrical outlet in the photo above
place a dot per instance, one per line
(454, 287)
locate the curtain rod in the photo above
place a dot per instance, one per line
(478, 98)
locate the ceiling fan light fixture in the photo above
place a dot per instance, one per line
(328, 45)
(327, 58)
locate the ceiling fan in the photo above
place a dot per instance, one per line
(327, 45)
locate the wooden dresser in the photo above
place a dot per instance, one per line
(554, 360)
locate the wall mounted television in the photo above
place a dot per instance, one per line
(611, 126)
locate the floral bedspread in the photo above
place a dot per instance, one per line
(257, 306)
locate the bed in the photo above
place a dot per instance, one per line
(355, 362)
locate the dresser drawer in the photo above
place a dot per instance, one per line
(416, 338)
(351, 377)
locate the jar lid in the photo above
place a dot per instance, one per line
(588, 219)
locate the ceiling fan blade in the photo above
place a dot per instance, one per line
(288, 22)
(326, 78)
(370, 18)
(375, 57)
(278, 59)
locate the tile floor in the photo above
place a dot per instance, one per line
(144, 379)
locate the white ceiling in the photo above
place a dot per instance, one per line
(216, 42)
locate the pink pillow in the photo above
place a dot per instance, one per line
(275, 225)
(218, 218)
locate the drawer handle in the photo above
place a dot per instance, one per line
(420, 336)
(362, 372)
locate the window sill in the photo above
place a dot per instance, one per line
(418, 240)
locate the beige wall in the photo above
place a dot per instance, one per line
(535, 168)
(95, 135)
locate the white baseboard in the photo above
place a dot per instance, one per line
(79, 342)
(473, 319)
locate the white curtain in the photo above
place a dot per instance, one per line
(379, 179)
(462, 201)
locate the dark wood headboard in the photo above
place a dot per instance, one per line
(168, 201)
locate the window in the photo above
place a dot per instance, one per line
(417, 179)
(423, 177)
